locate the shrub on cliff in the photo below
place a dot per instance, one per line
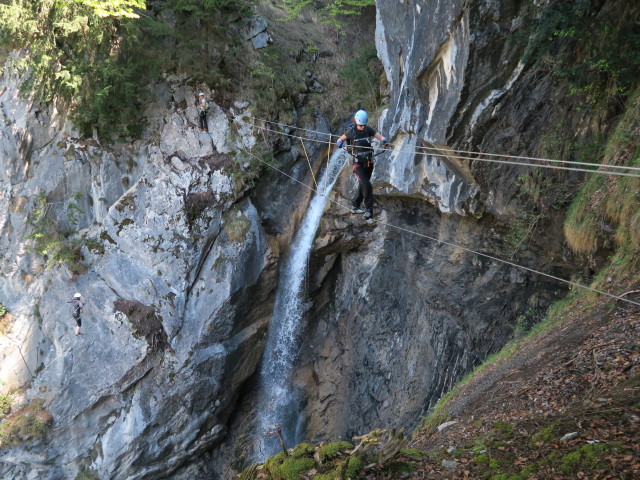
(98, 57)
(29, 422)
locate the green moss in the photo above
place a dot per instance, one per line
(545, 435)
(275, 460)
(292, 468)
(412, 453)
(324, 476)
(503, 428)
(354, 467)
(331, 450)
(585, 457)
(303, 450)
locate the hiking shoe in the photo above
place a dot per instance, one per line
(368, 214)
(356, 210)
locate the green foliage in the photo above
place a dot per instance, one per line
(3, 310)
(363, 76)
(198, 43)
(76, 52)
(5, 404)
(606, 202)
(331, 12)
(99, 56)
(596, 50)
(73, 210)
(273, 79)
(94, 246)
(49, 242)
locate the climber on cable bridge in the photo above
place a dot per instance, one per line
(358, 139)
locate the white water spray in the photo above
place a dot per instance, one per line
(278, 402)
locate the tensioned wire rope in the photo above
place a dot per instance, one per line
(451, 244)
(480, 159)
(481, 156)
(470, 152)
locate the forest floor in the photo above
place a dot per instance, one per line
(564, 405)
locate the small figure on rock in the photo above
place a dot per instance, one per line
(203, 108)
(359, 146)
(77, 305)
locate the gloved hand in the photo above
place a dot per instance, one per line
(385, 144)
(340, 143)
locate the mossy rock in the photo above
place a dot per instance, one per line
(236, 227)
(291, 468)
(275, 460)
(303, 450)
(349, 468)
(354, 466)
(332, 450)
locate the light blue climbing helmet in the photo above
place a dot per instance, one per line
(361, 117)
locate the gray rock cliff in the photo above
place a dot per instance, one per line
(175, 274)
(179, 264)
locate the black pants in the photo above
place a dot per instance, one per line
(78, 321)
(363, 171)
(202, 117)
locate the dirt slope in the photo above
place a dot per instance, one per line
(580, 377)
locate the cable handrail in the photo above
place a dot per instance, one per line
(504, 162)
(435, 148)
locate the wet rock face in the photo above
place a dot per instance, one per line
(399, 318)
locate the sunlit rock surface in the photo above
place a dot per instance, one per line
(172, 324)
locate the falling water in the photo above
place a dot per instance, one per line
(278, 402)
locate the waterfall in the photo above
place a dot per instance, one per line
(278, 402)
